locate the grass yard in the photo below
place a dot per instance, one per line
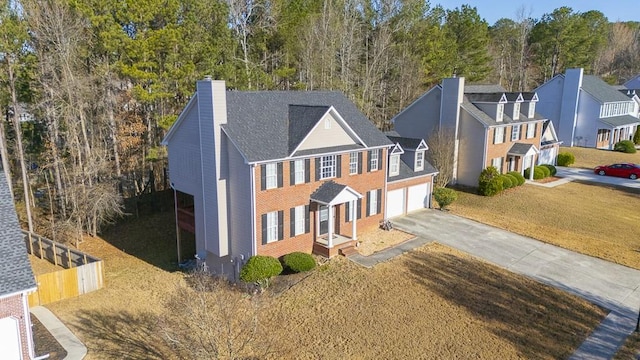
(590, 158)
(431, 303)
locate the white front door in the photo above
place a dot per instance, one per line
(395, 203)
(10, 338)
(418, 197)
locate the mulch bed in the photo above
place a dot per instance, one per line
(45, 343)
(548, 179)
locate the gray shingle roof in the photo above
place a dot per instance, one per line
(15, 269)
(487, 120)
(327, 192)
(485, 97)
(486, 88)
(405, 142)
(302, 118)
(406, 172)
(258, 122)
(519, 149)
(622, 120)
(527, 96)
(600, 90)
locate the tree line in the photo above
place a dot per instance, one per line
(102, 80)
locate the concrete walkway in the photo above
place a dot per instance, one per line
(75, 349)
(609, 285)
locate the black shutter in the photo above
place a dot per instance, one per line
(338, 166)
(292, 222)
(292, 172)
(346, 211)
(263, 177)
(317, 169)
(380, 161)
(379, 200)
(360, 162)
(279, 174)
(369, 160)
(280, 225)
(306, 219)
(359, 208)
(264, 228)
(307, 170)
(368, 202)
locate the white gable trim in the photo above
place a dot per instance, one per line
(535, 97)
(422, 145)
(503, 99)
(397, 149)
(552, 129)
(347, 194)
(192, 102)
(343, 124)
(519, 99)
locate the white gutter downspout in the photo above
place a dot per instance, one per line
(254, 238)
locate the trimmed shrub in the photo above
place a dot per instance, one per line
(625, 146)
(519, 178)
(506, 181)
(636, 136)
(513, 179)
(444, 197)
(259, 269)
(538, 172)
(545, 170)
(299, 262)
(565, 159)
(489, 182)
(551, 168)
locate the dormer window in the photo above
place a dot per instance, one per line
(419, 162)
(394, 165)
(532, 110)
(499, 112)
(516, 111)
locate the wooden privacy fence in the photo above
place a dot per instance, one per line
(83, 273)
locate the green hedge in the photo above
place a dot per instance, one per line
(259, 269)
(444, 197)
(551, 168)
(507, 183)
(299, 262)
(565, 159)
(625, 146)
(538, 172)
(520, 179)
(489, 182)
(545, 170)
(636, 136)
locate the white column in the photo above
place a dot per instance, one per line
(317, 221)
(354, 234)
(532, 167)
(330, 226)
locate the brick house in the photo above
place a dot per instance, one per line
(273, 172)
(492, 127)
(586, 111)
(16, 282)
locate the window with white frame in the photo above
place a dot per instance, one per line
(498, 135)
(272, 226)
(373, 202)
(499, 112)
(374, 159)
(299, 220)
(328, 167)
(531, 130)
(353, 163)
(532, 110)
(515, 132)
(419, 165)
(272, 175)
(516, 111)
(497, 163)
(394, 165)
(299, 171)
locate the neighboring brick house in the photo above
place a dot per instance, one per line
(586, 111)
(273, 172)
(16, 282)
(492, 127)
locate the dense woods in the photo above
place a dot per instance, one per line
(99, 82)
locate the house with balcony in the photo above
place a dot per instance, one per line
(488, 125)
(586, 111)
(16, 282)
(273, 172)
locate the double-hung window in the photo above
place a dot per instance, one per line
(299, 220)
(532, 110)
(373, 161)
(394, 165)
(499, 112)
(516, 111)
(497, 163)
(299, 171)
(272, 175)
(498, 135)
(373, 202)
(515, 132)
(328, 167)
(272, 226)
(419, 165)
(353, 163)
(531, 130)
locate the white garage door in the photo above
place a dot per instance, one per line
(395, 203)
(10, 338)
(418, 197)
(547, 156)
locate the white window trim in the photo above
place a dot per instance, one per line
(419, 161)
(271, 176)
(394, 165)
(496, 139)
(532, 110)
(515, 132)
(499, 112)
(497, 161)
(531, 130)
(327, 167)
(299, 170)
(272, 227)
(373, 202)
(374, 160)
(299, 220)
(353, 163)
(516, 111)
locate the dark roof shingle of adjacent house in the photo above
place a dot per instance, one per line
(485, 97)
(405, 171)
(484, 88)
(258, 122)
(600, 90)
(487, 120)
(15, 269)
(405, 142)
(620, 120)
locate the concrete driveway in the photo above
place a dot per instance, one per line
(609, 285)
(580, 174)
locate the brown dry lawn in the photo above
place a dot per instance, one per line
(590, 158)
(430, 303)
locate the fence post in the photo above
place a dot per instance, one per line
(55, 256)
(85, 258)
(69, 257)
(30, 243)
(40, 244)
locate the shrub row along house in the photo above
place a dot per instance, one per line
(274, 172)
(489, 127)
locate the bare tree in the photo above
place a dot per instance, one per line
(441, 154)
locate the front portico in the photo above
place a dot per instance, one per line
(526, 152)
(333, 202)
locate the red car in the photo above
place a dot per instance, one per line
(631, 171)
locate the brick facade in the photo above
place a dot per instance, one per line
(500, 150)
(13, 306)
(289, 196)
